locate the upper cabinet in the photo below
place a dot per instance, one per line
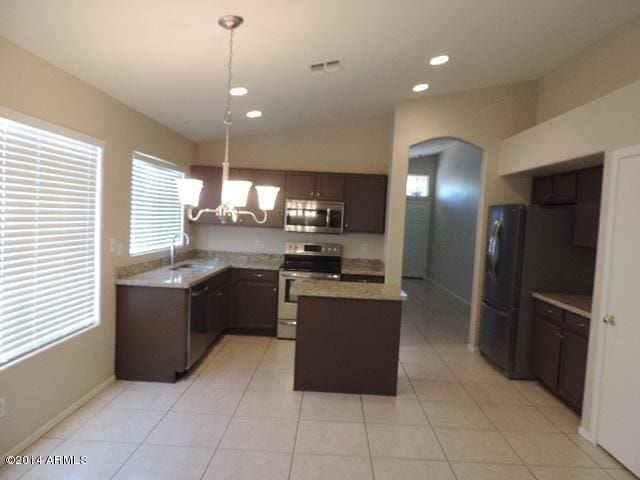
(588, 208)
(582, 188)
(365, 203)
(275, 218)
(555, 189)
(365, 196)
(211, 193)
(315, 186)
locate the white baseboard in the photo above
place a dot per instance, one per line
(588, 435)
(472, 348)
(453, 294)
(56, 420)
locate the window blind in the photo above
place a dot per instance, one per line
(156, 212)
(48, 237)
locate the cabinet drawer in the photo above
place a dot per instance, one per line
(270, 276)
(576, 323)
(550, 312)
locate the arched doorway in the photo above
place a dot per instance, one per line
(444, 193)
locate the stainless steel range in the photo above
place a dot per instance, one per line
(322, 261)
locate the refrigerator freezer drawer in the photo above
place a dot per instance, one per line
(498, 337)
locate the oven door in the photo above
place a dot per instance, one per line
(288, 302)
(314, 217)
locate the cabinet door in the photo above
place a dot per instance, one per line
(564, 188)
(365, 203)
(257, 304)
(211, 190)
(301, 185)
(275, 218)
(546, 349)
(330, 187)
(573, 368)
(588, 208)
(542, 190)
(217, 312)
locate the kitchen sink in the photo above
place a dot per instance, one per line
(194, 267)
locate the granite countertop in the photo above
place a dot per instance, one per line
(164, 277)
(351, 290)
(578, 304)
(361, 266)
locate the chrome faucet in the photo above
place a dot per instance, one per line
(187, 240)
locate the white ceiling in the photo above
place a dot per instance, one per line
(166, 58)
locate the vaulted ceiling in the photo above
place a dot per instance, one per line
(166, 58)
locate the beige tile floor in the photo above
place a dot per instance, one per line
(237, 417)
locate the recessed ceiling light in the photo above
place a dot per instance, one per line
(254, 114)
(439, 60)
(238, 91)
(421, 87)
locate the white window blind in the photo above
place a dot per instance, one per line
(418, 186)
(48, 237)
(156, 213)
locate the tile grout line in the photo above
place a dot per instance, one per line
(295, 438)
(231, 417)
(366, 434)
(160, 420)
(564, 434)
(444, 453)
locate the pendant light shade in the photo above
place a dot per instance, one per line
(267, 197)
(235, 193)
(189, 191)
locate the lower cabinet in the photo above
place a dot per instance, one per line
(218, 302)
(255, 298)
(559, 353)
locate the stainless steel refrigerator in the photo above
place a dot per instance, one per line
(528, 249)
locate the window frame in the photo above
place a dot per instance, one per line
(100, 144)
(428, 183)
(161, 163)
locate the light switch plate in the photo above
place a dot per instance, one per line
(2, 407)
(364, 247)
(113, 245)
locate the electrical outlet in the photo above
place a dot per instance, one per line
(113, 245)
(258, 242)
(364, 247)
(120, 250)
(2, 407)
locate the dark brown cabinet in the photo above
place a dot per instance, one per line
(211, 193)
(315, 186)
(275, 218)
(346, 277)
(546, 345)
(217, 311)
(365, 203)
(555, 190)
(588, 208)
(255, 300)
(559, 352)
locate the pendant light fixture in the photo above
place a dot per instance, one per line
(234, 192)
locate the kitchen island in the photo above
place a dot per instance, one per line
(348, 337)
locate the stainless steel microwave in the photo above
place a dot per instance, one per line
(315, 217)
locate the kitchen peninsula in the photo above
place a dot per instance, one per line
(348, 337)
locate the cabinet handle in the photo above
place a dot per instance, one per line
(275, 289)
(219, 294)
(311, 194)
(257, 275)
(582, 325)
(559, 335)
(550, 312)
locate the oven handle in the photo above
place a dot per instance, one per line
(310, 275)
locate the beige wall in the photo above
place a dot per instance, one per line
(40, 387)
(356, 146)
(599, 69)
(482, 117)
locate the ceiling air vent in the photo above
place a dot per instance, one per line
(329, 66)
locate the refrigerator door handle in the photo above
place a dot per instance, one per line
(493, 248)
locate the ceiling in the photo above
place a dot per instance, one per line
(166, 58)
